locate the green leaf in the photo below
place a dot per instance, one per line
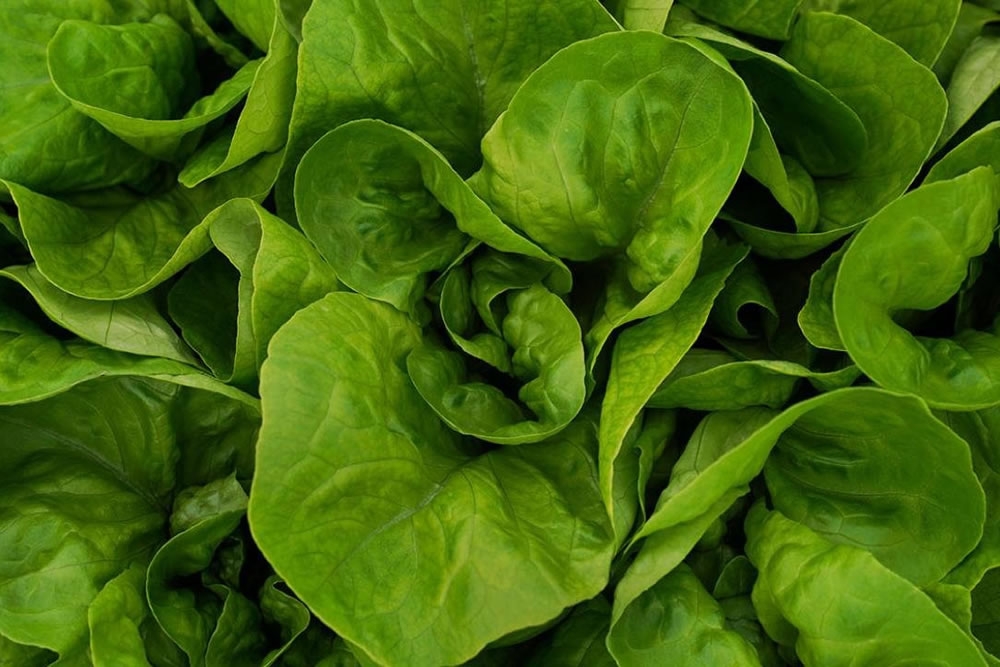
(816, 318)
(91, 472)
(36, 120)
(945, 224)
(883, 475)
(920, 27)
(593, 168)
(872, 612)
(230, 305)
(123, 244)
(900, 103)
(808, 121)
(262, 126)
(362, 495)
(642, 14)
(130, 78)
(481, 53)
(971, 21)
(645, 354)
(677, 622)
(579, 640)
(547, 359)
(385, 222)
(765, 18)
(132, 325)
(975, 79)
(201, 520)
(716, 380)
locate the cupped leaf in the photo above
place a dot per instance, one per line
(90, 477)
(920, 27)
(191, 616)
(808, 121)
(872, 611)
(380, 518)
(546, 357)
(787, 181)
(945, 224)
(132, 325)
(44, 144)
(900, 103)
(481, 53)
(591, 161)
(677, 622)
(229, 307)
(130, 79)
(123, 244)
(386, 210)
(262, 126)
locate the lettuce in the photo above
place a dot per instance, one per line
(344, 333)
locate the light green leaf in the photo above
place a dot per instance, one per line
(920, 27)
(642, 14)
(816, 318)
(122, 244)
(899, 101)
(872, 612)
(808, 121)
(377, 65)
(546, 359)
(130, 79)
(579, 640)
(90, 476)
(765, 18)
(883, 475)
(945, 224)
(132, 325)
(380, 518)
(36, 120)
(645, 354)
(601, 167)
(976, 77)
(262, 126)
(385, 222)
(677, 622)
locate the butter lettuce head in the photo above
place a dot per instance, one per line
(590, 333)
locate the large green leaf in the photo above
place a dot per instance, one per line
(945, 224)
(387, 220)
(90, 475)
(900, 103)
(920, 27)
(645, 354)
(44, 144)
(118, 244)
(677, 622)
(382, 520)
(839, 606)
(444, 70)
